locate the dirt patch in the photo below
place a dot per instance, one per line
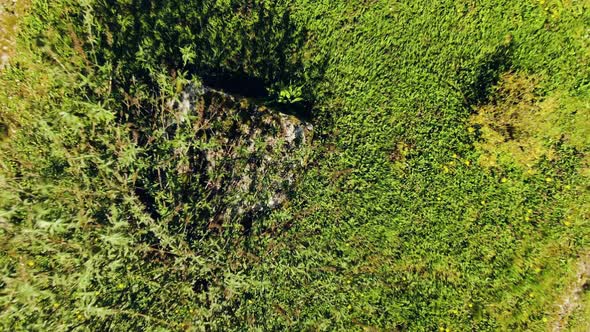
(10, 12)
(572, 299)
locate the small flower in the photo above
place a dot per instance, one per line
(470, 305)
(467, 162)
(55, 305)
(121, 286)
(31, 263)
(548, 179)
(483, 202)
(455, 156)
(568, 187)
(545, 320)
(532, 295)
(349, 307)
(445, 169)
(504, 180)
(538, 270)
(250, 302)
(567, 223)
(471, 130)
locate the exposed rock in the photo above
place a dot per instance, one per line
(254, 154)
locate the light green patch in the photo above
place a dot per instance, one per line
(520, 126)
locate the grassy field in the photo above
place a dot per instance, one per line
(447, 188)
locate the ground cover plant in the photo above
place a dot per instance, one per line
(446, 186)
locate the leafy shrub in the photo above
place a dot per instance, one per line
(219, 41)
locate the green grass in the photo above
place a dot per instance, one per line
(397, 224)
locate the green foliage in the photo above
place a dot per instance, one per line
(289, 94)
(217, 40)
(394, 226)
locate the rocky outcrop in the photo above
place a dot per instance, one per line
(252, 155)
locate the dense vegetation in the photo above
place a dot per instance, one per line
(448, 186)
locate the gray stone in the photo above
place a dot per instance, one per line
(260, 157)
